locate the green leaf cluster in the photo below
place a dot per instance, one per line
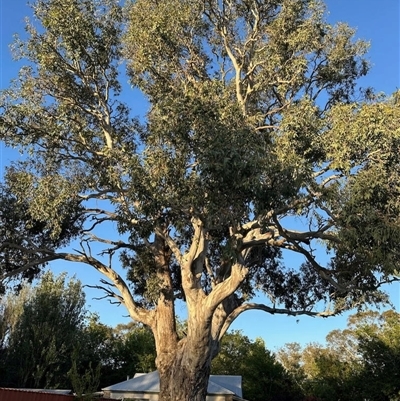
(357, 363)
(254, 144)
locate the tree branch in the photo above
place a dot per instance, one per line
(27, 266)
(227, 287)
(171, 243)
(316, 266)
(253, 306)
(136, 312)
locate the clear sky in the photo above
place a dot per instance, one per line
(377, 21)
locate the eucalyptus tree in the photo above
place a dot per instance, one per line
(253, 146)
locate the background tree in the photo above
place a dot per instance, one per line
(41, 345)
(121, 351)
(263, 377)
(136, 348)
(379, 348)
(97, 346)
(290, 357)
(49, 340)
(358, 363)
(11, 309)
(253, 144)
(85, 384)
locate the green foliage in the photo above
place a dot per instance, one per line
(237, 130)
(255, 142)
(379, 346)
(263, 377)
(369, 218)
(116, 352)
(11, 309)
(94, 349)
(358, 363)
(21, 219)
(84, 385)
(138, 341)
(40, 345)
(48, 341)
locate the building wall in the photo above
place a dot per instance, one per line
(13, 394)
(219, 398)
(154, 396)
(131, 395)
(9, 394)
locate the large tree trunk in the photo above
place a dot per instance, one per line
(184, 365)
(184, 377)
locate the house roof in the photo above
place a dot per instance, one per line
(150, 383)
(233, 383)
(141, 382)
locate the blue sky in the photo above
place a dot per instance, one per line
(375, 21)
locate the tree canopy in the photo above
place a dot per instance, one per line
(256, 142)
(360, 362)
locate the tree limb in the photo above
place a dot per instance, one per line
(227, 287)
(253, 306)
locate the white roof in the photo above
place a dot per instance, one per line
(141, 382)
(233, 383)
(150, 383)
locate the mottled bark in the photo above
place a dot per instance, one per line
(184, 365)
(184, 373)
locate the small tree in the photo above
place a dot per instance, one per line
(39, 348)
(253, 145)
(84, 384)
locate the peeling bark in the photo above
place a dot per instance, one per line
(184, 372)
